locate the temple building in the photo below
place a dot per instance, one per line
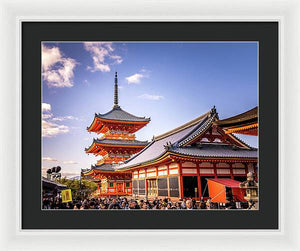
(181, 163)
(116, 144)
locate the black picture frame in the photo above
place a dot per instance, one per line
(33, 33)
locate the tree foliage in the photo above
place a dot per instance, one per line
(80, 188)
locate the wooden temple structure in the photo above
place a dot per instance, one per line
(244, 123)
(177, 164)
(116, 144)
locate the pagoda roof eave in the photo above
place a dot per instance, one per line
(119, 115)
(88, 172)
(115, 143)
(121, 121)
(88, 149)
(120, 143)
(89, 128)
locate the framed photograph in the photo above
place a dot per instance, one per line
(180, 81)
(138, 128)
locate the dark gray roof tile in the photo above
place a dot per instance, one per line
(121, 142)
(156, 148)
(104, 167)
(202, 126)
(175, 139)
(216, 150)
(118, 114)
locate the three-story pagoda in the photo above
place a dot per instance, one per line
(116, 144)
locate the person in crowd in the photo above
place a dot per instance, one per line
(92, 205)
(202, 204)
(208, 203)
(189, 205)
(133, 205)
(169, 205)
(145, 206)
(183, 204)
(124, 203)
(114, 205)
(77, 206)
(194, 203)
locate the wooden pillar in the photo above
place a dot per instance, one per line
(146, 185)
(156, 174)
(168, 184)
(215, 169)
(255, 170)
(231, 171)
(180, 181)
(199, 181)
(246, 166)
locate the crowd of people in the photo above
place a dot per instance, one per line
(133, 204)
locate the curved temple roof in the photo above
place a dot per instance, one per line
(121, 142)
(117, 143)
(104, 167)
(216, 150)
(245, 118)
(175, 141)
(116, 116)
(120, 115)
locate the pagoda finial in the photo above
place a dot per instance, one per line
(116, 99)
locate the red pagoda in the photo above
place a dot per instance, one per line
(117, 144)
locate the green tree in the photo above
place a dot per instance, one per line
(87, 187)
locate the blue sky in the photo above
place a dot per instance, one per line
(172, 83)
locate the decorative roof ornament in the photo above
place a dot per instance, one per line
(168, 145)
(213, 111)
(116, 98)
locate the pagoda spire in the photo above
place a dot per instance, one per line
(116, 99)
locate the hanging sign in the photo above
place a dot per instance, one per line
(66, 195)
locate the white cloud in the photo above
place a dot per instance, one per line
(70, 162)
(48, 159)
(136, 78)
(58, 71)
(151, 97)
(117, 59)
(46, 111)
(46, 107)
(64, 118)
(47, 116)
(70, 174)
(51, 129)
(50, 56)
(102, 55)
